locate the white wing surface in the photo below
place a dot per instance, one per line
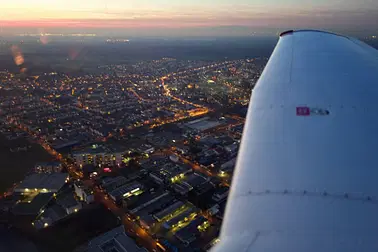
(307, 171)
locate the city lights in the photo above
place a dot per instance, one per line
(101, 128)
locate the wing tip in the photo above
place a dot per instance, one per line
(286, 33)
(291, 32)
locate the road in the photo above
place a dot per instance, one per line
(138, 96)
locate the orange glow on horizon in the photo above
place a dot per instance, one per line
(98, 23)
(144, 14)
(118, 14)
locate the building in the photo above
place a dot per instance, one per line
(48, 167)
(182, 149)
(158, 177)
(190, 182)
(210, 141)
(232, 149)
(174, 158)
(222, 209)
(203, 189)
(228, 167)
(182, 188)
(146, 149)
(42, 182)
(169, 211)
(42, 223)
(88, 196)
(195, 180)
(170, 173)
(145, 215)
(49, 216)
(226, 140)
(84, 193)
(137, 203)
(60, 144)
(111, 183)
(115, 240)
(33, 206)
(126, 190)
(98, 155)
(220, 194)
(153, 162)
(69, 203)
(206, 161)
(189, 233)
(179, 220)
(147, 221)
(202, 124)
(213, 210)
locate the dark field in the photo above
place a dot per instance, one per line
(14, 165)
(77, 229)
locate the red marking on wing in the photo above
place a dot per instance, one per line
(303, 111)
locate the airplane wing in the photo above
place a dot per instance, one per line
(306, 177)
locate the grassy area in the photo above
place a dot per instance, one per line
(14, 165)
(76, 230)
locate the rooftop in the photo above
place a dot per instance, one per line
(95, 149)
(169, 210)
(113, 241)
(100, 148)
(156, 206)
(136, 203)
(195, 179)
(110, 183)
(182, 188)
(34, 207)
(67, 201)
(171, 169)
(222, 190)
(202, 125)
(188, 233)
(229, 164)
(51, 182)
(55, 212)
(53, 163)
(126, 190)
(180, 217)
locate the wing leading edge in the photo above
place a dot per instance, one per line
(306, 175)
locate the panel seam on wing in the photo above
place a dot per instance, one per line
(322, 194)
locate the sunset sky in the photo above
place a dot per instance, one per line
(191, 17)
